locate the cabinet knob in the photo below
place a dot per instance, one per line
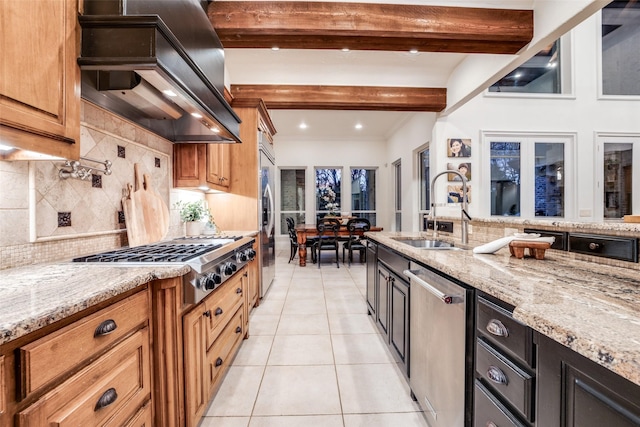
(594, 246)
(218, 361)
(238, 330)
(105, 328)
(496, 375)
(107, 398)
(207, 313)
(239, 291)
(218, 311)
(497, 328)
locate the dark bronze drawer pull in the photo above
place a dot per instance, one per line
(594, 246)
(107, 398)
(218, 311)
(207, 313)
(496, 375)
(239, 291)
(238, 330)
(218, 362)
(497, 328)
(105, 328)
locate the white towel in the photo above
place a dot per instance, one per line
(492, 247)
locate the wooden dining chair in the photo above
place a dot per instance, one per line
(356, 241)
(293, 241)
(328, 229)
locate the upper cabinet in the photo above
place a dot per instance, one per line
(39, 77)
(204, 166)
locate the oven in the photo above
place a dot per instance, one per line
(212, 260)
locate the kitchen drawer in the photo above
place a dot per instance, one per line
(510, 381)
(58, 353)
(221, 305)
(107, 392)
(623, 248)
(496, 324)
(489, 412)
(144, 417)
(221, 353)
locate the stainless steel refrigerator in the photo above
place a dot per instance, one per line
(267, 214)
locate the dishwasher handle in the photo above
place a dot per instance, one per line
(447, 299)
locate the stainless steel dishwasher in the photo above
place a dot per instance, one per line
(441, 347)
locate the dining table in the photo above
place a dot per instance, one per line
(305, 231)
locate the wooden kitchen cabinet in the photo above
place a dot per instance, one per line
(574, 391)
(39, 77)
(213, 331)
(202, 165)
(91, 368)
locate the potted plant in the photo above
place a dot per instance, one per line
(192, 213)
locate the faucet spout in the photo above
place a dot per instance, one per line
(464, 215)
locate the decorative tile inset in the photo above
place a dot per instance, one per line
(64, 219)
(120, 217)
(157, 162)
(96, 180)
(121, 152)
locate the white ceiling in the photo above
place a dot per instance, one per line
(376, 68)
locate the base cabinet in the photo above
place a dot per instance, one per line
(574, 391)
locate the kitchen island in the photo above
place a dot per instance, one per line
(587, 307)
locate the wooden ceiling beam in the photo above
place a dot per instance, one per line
(369, 26)
(319, 97)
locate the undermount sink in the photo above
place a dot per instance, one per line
(426, 243)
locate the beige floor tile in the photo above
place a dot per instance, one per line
(301, 350)
(298, 390)
(374, 388)
(237, 393)
(360, 348)
(225, 422)
(303, 324)
(254, 351)
(263, 324)
(409, 419)
(305, 306)
(343, 305)
(270, 306)
(351, 323)
(298, 421)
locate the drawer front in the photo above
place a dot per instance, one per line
(511, 382)
(53, 355)
(221, 353)
(221, 305)
(144, 417)
(107, 392)
(623, 248)
(489, 412)
(499, 327)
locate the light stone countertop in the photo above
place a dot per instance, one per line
(38, 295)
(593, 309)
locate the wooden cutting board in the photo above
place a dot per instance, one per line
(631, 218)
(146, 214)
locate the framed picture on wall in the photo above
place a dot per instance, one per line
(454, 194)
(458, 147)
(464, 168)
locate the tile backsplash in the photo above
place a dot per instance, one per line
(46, 218)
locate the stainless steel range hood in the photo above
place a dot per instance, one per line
(159, 64)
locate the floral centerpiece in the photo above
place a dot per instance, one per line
(328, 196)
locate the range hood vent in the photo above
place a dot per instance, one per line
(135, 66)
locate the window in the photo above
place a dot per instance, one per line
(618, 193)
(423, 173)
(328, 191)
(397, 167)
(292, 188)
(529, 176)
(363, 193)
(620, 41)
(547, 72)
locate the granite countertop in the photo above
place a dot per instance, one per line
(39, 295)
(593, 309)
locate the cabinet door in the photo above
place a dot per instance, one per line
(371, 280)
(218, 165)
(383, 299)
(573, 391)
(39, 76)
(399, 314)
(196, 390)
(189, 165)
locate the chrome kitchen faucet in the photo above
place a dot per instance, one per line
(464, 215)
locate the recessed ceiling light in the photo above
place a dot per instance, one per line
(413, 51)
(169, 93)
(302, 125)
(275, 48)
(358, 126)
(197, 115)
